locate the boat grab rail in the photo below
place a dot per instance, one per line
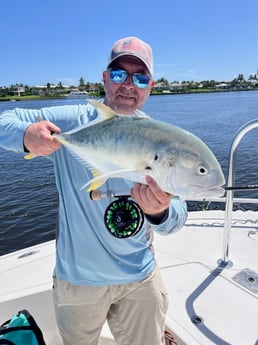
(225, 262)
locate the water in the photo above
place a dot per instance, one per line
(28, 198)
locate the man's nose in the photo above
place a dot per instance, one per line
(128, 82)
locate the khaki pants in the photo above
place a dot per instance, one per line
(135, 312)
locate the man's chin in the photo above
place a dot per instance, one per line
(125, 105)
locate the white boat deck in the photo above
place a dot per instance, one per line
(223, 310)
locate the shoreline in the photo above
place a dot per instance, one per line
(154, 93)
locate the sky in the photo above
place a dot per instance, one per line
(52, 41)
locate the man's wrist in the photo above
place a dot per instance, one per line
(158, 218)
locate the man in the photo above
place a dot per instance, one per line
(98, 276)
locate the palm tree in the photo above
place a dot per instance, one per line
(81, 84)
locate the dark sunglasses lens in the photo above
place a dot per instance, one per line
(141, 80)
(118, 76)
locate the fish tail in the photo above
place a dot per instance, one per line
(30, 155)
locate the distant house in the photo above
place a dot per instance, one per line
(185, 85)
(222, 86)
(19, 91)
(161, 86)
(46, 90)
(175, 86)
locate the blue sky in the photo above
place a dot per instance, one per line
(62, 40)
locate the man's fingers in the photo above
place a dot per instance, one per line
(160, 195)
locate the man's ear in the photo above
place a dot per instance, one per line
(104, 76)
(152, 83)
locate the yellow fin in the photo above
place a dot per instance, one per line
(30, 155)
(103, 110)
(97, 180)
(96, 184)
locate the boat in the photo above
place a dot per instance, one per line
(210, 268)
(77, 94)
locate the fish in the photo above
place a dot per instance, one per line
(131, 147)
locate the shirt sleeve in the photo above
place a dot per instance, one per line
(12, 129)
(13, 123)
(174, 220)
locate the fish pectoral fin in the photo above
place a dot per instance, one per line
(99, 179)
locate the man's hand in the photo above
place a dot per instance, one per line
(38, 138)
(151, 198)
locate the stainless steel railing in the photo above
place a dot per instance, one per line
(230, 193)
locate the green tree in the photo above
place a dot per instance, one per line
(81, 83)
(162, 80)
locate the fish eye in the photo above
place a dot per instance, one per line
(202, 170)
(156, 157)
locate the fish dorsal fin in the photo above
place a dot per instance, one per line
(104, 112)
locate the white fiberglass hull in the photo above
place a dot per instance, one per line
(207, 305)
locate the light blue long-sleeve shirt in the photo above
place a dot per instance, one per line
(87, 254)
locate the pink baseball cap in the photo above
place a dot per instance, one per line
(135, 47)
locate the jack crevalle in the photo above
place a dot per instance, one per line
(132, 147)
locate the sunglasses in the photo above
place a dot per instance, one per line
(119, 76)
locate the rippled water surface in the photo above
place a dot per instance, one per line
(28, 196)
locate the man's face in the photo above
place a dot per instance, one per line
(124, 98)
